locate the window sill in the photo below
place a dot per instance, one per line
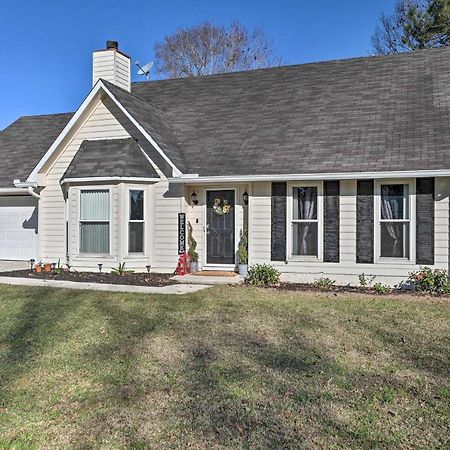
(403, 261)
(95, 256)
(309, 259)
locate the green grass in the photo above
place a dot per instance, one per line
(229, 367)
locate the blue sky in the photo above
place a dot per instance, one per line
(46, 46)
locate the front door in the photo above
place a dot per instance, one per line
(220, 227)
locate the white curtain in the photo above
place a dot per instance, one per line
(307, 198)
(390, 209)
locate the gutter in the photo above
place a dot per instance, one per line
(13, 191)
(195, 179)
(28, 187)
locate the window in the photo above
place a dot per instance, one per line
(136, 222)
(305, 221)
(94, 221)
(395, 220)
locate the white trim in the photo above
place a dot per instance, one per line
(290, 221)
(78, 251)
(106, 179)
(14, 191)
(312, 176)
(98, 86)
(176, 172)
(142, 254)
(412, 222)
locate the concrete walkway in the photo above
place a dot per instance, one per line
(7, 266)
(207, 279)
(176, 289)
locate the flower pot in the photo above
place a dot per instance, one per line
(194, 267)
(47, 267)
(243, 270)
(38, 269)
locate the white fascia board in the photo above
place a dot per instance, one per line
(309, 176)
(64, 132)
(109, 179)
(175, 171)
(98, 86)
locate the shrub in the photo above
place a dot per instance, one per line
(120, 270)
(324, 283)
(366, 280)
(429, 280)
(243, 248)
(381, 288)
(263, 274)
(192, 244)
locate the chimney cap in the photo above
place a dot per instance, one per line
(112, 45)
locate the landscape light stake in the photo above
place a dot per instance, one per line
(32, 261)
(100, 265)
(148, 267)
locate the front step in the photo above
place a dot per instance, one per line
(209, 277)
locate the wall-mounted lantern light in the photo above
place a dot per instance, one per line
(194, 198)
(245, 197)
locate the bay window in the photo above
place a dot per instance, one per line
(94, 221)
(136, 221)
(394, 212)
(306, 213)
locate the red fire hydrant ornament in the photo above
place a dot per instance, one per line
(184, 262)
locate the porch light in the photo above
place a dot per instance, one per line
(194, 198)
(245, 197)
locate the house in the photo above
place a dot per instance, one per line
(336, 169)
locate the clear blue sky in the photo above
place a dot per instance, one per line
(46, 46)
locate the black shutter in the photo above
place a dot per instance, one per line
(425, 221)
(278, 217)
(331, 221)
(364, 221)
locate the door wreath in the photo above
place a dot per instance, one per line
(221, 206)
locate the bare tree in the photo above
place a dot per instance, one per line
(207, 49)
(415, 24)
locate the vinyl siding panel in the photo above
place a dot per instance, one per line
(347, 270)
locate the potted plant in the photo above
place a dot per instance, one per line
(47, 267)
(38, 267)
(193, 255)
(243, 254)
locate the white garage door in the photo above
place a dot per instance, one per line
(18, 228)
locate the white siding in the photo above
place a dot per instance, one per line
(112, 66)
(162, 208)
(347, 270)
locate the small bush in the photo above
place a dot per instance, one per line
(243, 247)
(366, 280)
(381, 288)
(263, 274)
(428, 280)
(324, 283)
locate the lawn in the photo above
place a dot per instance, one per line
(229, 367)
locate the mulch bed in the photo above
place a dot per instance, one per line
(130, 279)
(305, 287)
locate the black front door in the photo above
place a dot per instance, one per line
(220, 227)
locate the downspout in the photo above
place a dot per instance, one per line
(32, 193)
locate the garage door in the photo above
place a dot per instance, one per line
(18, 228)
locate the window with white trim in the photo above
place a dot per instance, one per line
(305, 221)
(136, 222)
(395, 221)
(94, 221)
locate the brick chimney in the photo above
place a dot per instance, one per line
(112, 65)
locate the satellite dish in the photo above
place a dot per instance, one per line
(144, 70)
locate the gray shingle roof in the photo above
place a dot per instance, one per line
(366, 114)
(110, 158)
(357, 115)
(24, 142)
